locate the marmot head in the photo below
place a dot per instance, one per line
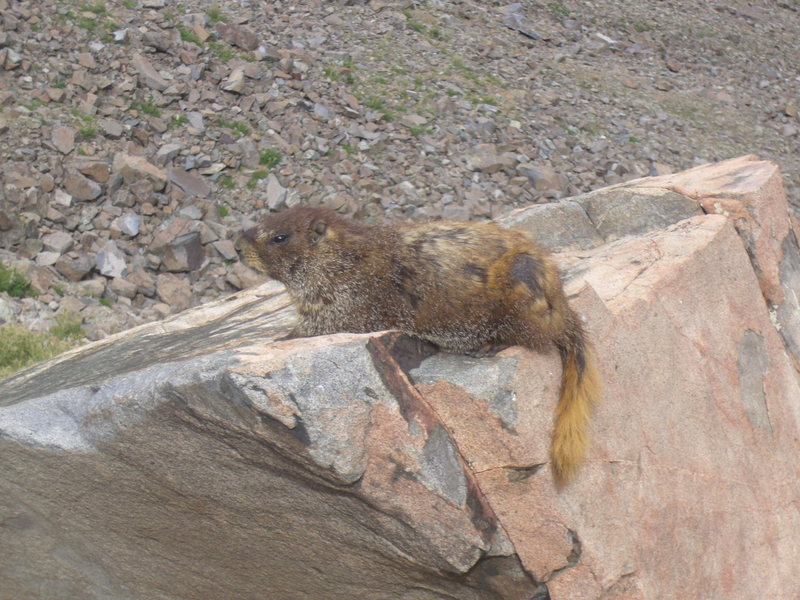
(286, 245)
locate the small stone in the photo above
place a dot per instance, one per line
(276, 193)
(196, 121)
(80, 187)
(93, 287)
(121, 287)
(112, 128)
(86, 60)
(148, 74)
(174, 290)
(97, 171)
(9, 58)
(413, 120)
(322, 111)
(235, 81)
(145, 284)
(46, 259)
(517, 21)
(241, 276)
(455, 213)
(238, 35)
(134, 168)
(226, 249)
(192, 185)
(129, 224)
(542, 177)
(166, 154)
(63, 139)
(191, 212)
(62, 198)
(185, 253)
(111, 261)
(58, 242)
(75, 267)
(6, 311)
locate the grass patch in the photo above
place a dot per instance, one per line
(97, 8)
(269, 158)
(255, 178)
(239, 128)
(106, 302)
(215, 15)
(227, 182)
(559, 9)
(178, 121)
(88, 132)
(14, 283)
(146, 107)
(33, 104)
(222, 51)
(68, 326)
(20, 348)
(223, 211)
(187, 35)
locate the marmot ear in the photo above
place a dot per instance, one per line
(318, 229)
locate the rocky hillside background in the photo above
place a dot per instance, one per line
(139, 136)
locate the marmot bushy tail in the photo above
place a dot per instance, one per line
(467, 287)
(580, 389)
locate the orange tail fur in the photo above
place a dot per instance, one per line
(580, 390)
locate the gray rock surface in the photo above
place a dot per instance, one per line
(201, 457)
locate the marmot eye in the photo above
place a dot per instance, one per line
(280, 239)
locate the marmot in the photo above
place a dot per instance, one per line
(467, 287)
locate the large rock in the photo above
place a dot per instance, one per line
(199, 457)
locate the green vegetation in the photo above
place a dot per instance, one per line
(223, 210)
(106, 302)
(98, 8)
(239, 128)
(129, 4)
(417, 130)
(68, 326)
(187, 35)
(14, 283)
(416, 26)
(378, 104)
(33, 104)
(178, 121)
(215, 15)
(227, 182)
(20, 347)
(559, 9)
(146, 107)
(88, 132)
(222, 51)
(269, 158)
(331, 72)
(255, 177)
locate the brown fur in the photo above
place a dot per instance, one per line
(467, 287)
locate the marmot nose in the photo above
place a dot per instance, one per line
(247, 237)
